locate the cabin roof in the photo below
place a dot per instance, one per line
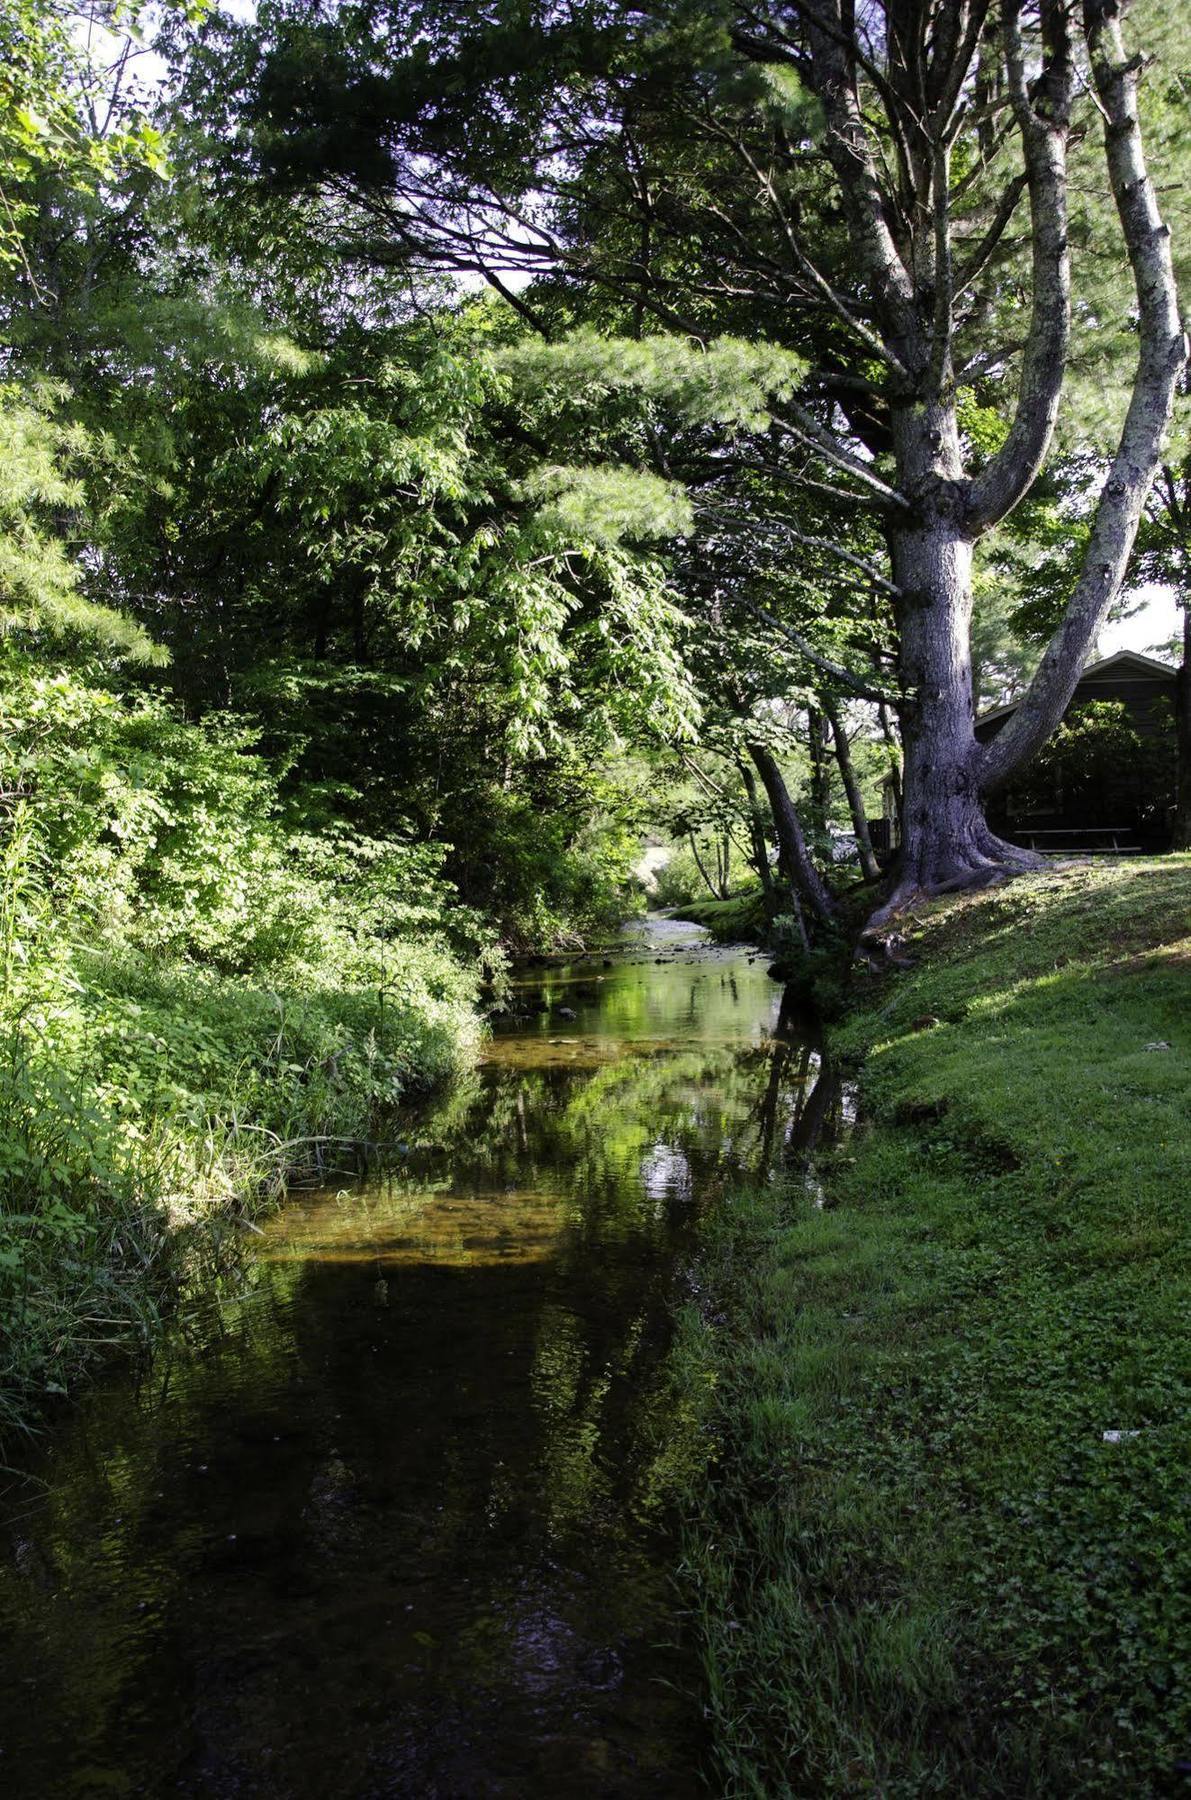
(1122, 662)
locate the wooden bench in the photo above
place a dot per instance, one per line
(1050, 842)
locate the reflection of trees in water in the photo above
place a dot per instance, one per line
(635, 1124)
(636, 1137)
(592, 1144)
(558, 1157)
(800, 1103)
(652, 1133)
(483, 1446)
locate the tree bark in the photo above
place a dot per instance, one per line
(946, 841)
(805, 882)
(1162, 354)
(757, 833)
(843, 753)
(820, 787)
(723, 865)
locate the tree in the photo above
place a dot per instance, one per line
(366, 536)
(69, 139)
(849, 180)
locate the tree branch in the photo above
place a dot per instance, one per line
(1162, 356)
(850, 150)
(865, 689)
(1043, 124)
(869, 338)
(797, 866)
(808, 431)
(975, 264)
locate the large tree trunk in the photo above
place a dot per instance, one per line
(946, 842)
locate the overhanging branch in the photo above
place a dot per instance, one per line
(866, 690)
(1043, 112)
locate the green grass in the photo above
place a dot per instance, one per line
(146, 1106)
(919, 1567)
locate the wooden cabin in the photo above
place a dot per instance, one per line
(1114, 796)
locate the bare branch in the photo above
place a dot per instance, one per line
(866, 690)
(851, 151)
(973, 266)
(808, 431)
(818, 281)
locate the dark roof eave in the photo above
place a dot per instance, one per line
(1147, 666)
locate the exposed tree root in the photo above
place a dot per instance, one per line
(980, 860)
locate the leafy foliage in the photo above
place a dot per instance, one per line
(39, 581)
(194, 993)
(1100, 767)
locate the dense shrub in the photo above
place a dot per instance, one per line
(552, 874)
(195, 996)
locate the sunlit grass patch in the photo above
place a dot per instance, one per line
(946, 1547)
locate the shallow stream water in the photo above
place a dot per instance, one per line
(391, 1516)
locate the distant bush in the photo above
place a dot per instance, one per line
(1102, 768)
(681, 881)
(545, 877)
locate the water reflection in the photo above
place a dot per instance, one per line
(391, 1520)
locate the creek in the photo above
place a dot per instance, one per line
(390, 1513)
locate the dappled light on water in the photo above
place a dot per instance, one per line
(388, 1227)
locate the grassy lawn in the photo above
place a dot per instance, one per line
(926, 1562)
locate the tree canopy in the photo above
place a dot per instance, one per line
(472, 397)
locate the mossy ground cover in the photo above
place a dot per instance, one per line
(946, 1547)
(739, 919)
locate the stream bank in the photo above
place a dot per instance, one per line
(943, 1548)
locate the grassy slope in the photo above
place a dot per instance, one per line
(920, 1567)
